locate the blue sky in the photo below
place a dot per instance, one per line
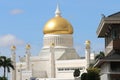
(22, 21)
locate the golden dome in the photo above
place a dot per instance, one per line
(58, 25)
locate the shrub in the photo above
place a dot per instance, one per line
(76, 73)
(3, 78)
(84, 76)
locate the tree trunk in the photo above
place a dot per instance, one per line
(4, 71)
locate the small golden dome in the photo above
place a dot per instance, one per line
(58, 25)
(28, 47)
(87, 42)
(13, 47)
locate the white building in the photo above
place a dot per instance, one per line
(58, 59)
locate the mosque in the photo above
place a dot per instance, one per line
(57, 59)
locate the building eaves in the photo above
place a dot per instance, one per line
(117, 14)
(111, 58)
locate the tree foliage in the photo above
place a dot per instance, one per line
(6, 63)
(84, 76)
(92, 74)
(76, 73)
(3, 78)
(100, 55)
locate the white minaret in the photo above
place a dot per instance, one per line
(28, 47)
(13, 58)
(52, 60)
(87, 53)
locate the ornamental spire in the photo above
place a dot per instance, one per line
(57, 12)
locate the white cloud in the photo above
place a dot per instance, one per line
(16, 11)
(9, 39)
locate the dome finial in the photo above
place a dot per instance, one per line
(57, 12)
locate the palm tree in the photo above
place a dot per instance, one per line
(6, 64)
(0, 61)
(100, 55)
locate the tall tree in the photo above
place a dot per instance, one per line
(6, 64)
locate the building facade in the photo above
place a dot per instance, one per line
(109, 29)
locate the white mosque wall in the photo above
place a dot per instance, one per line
(40, 67)
(20, 66)
(65, 68)
(65, 40)
(26, 75)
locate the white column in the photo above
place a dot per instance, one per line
(32, 67)
(87, 53)
(13, 59)
(52, 61)
(28, 57)
(20, 71)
